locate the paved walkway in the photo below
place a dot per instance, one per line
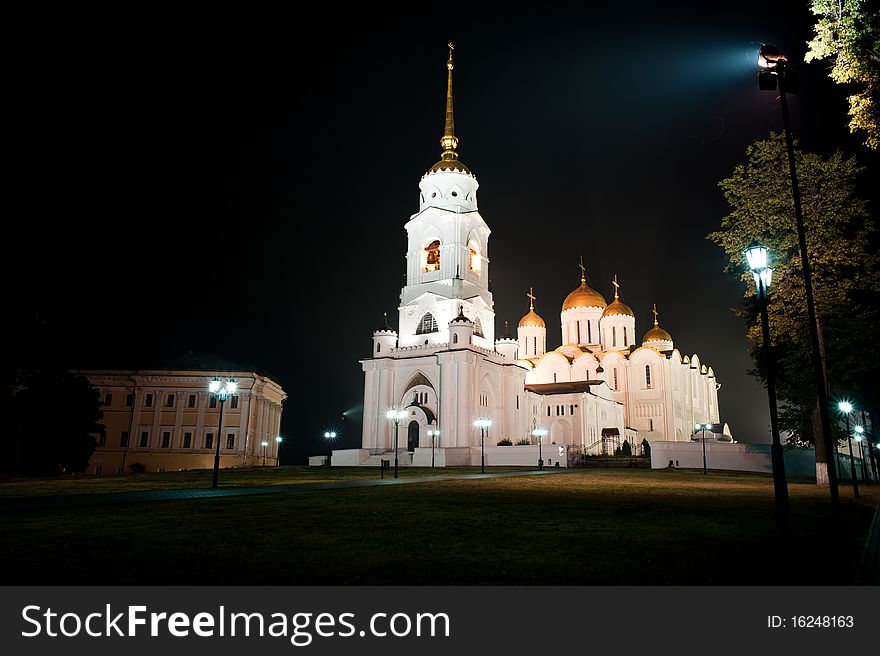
(64, 501)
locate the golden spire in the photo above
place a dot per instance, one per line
(616, 287)
(583, 270)
(655, 314)
(449, 142)
(531, 299)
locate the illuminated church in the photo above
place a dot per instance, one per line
(444, 368)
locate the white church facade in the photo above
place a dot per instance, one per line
(444, 368)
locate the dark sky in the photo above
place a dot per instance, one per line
(240, 185)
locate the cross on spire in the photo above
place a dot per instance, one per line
(583, 270)
(616, 287)
(655, 314)
(531, 299)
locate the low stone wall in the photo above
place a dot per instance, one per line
(738, 456)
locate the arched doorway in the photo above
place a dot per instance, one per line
(412, 436)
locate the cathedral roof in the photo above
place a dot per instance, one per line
(532, 318)
(617, 307)
(583, 296)
(573, 387)
(656, 334)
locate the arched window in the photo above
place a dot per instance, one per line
(613, 335)
(589, 336)
(476, 262)
(548, 410)
(624, 335)
(578, 332)
(648, 376)
(378, 347)
(428, 324)
(478, 327)
(432, 257)
(455, 339)
(572, 410)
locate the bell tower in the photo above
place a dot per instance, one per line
(447, 263)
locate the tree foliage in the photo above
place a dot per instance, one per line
(842, 250)
(847, 32)
(49, 413)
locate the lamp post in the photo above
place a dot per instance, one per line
(756, 255)
(278, 440)
(221, 392)
(395, 416)
(703, 428)
(264, 444)
(539, 433)
(846, 407)
(859, 438)
(483, 424)
(775, 68)
(329, 436)
(433, 433)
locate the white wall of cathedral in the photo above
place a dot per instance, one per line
(581, 326)
(426, 320)
(661, 397)
(575, 418)
(618, 331)
(532, 341)
(457, 386)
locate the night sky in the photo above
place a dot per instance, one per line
(239, 185)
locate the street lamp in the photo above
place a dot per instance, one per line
(395, 416)
(774, 67)
(539, 433)
(483, 424)
(859, 437)
(703, 428)
(846, 407)
(222, 392)
(264, 444)
(433, 433)
(278, 441)
(756, 255)
(329, 435)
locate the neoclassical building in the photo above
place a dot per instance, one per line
(445, 369)
(165, 419)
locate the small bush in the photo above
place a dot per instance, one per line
(523, 442)
(505, 442)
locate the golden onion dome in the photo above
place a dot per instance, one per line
(656, 334)
(618, 308)
(583, 296)
(532, 318)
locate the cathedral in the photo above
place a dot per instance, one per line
(443, 369)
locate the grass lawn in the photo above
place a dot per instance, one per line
(595, 526)
(201, 478)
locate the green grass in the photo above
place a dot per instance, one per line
(596, 526)
(201, 478)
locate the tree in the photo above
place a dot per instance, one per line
(847, 32)
(626, 449)
(49, 413)
(646, 448)
(53, 415)
(842, 248)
